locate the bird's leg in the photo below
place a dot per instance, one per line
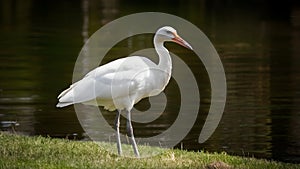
(130, 135)
(117, 126)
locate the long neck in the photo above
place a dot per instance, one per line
(165, 61)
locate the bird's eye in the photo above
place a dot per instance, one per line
(169, 32)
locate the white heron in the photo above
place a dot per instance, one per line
(120, 84)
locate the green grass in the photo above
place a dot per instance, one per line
(38, 152)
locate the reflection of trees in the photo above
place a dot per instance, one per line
(102, 12)
(15, 14)
(85, 24)
(95, 14)
(41, 41)
(262, 70)
(18, 82)
(36, 48)
(245, 126)
(284, 42)
(294, 126)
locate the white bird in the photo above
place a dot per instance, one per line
(120, 84)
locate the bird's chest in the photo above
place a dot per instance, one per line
(152, 82)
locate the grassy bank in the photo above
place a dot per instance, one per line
(39, 152)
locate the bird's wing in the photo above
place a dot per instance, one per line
(124, 64)
(111, 80)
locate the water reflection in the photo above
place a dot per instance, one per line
(258, 45)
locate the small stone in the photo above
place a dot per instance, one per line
(218, 165)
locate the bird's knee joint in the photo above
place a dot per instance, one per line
(129, 131)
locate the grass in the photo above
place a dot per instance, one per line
(38, 152)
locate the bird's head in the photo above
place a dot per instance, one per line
(168, 33)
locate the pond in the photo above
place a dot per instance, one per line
(258, 44)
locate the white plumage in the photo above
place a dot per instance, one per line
(122, 83)
(131, 76)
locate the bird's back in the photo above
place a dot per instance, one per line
(112, 84)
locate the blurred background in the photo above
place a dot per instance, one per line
(258, 42)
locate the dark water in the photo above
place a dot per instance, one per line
(258, 43)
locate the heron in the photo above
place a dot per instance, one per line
(120, 84)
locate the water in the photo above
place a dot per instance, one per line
(258, 45)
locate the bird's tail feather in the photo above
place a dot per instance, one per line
(65, 92)
(65, 97)
(63, 104)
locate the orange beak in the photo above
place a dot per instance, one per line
(177, 39)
